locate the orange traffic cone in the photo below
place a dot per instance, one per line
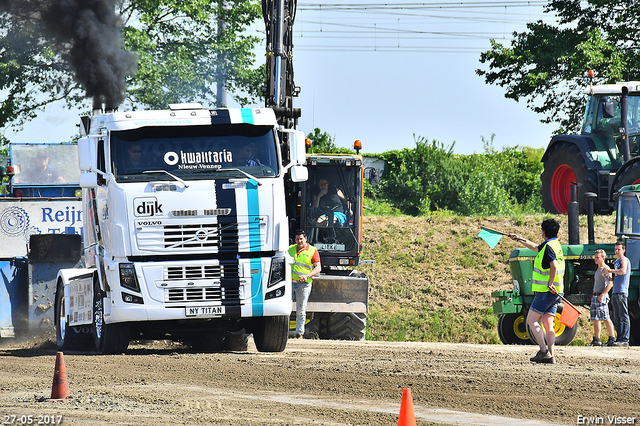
(60, 388)
(407, 415)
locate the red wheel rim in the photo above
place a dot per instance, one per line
(561, 187)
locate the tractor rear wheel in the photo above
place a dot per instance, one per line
(630, 176)
(563, 166)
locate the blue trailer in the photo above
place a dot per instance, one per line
(40, 233)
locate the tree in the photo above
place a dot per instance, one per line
(547, 65)
(323, 142)
(50, 50)
(186, 47)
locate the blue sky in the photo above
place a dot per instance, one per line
(382, 74)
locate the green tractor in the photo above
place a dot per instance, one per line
(603, 158)
(512, 306)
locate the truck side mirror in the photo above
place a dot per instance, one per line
(88, 180)
(299, 174)
(297, 147)
(374, 176)
(86, 154)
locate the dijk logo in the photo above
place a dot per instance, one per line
(147, 207)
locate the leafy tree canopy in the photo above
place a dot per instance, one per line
(182, 49)
(547, 64)
(324, 143)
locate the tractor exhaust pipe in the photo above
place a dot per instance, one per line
(624, 123)
(590, 196)
(574, 216)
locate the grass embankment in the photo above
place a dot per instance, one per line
(432, 279)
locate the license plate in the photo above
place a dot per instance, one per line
(330, 247)
(205, 311)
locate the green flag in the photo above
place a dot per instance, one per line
(490, 237)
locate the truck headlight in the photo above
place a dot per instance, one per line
(128, 277)
(277, 273)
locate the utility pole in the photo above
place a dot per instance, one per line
(221, 95)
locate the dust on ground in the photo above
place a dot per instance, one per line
(317, 382)
(348, 383)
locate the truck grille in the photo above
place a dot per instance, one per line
(201, 294)
(198, 272)
(210, 237)
(223, 278)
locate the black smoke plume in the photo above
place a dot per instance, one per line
(87, 33)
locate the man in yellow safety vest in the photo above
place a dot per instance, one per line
(306, 264)
(547, 285)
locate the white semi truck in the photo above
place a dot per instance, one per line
(185, 230)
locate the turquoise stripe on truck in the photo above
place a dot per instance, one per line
(247, 115)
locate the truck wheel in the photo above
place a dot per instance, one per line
(564, 334)
(107, 338)
(349, 326)
(512, 329)
(564, 165)
(271, 334)
(67, 337)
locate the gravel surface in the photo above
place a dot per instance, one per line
(322, 383)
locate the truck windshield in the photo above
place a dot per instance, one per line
(194, 152)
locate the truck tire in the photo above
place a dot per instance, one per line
(347, 326)
(271, 334)
(564, 334)
(67, 337)
(512, 329)
(107, 338)
(564, 165)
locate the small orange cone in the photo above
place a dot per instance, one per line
(60, 388)
(407, 414)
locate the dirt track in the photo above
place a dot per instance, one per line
(323, 383)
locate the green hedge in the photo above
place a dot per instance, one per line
(430, 177)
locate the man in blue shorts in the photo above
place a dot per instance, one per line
(547, 285)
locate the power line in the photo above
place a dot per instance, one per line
(372, 24)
